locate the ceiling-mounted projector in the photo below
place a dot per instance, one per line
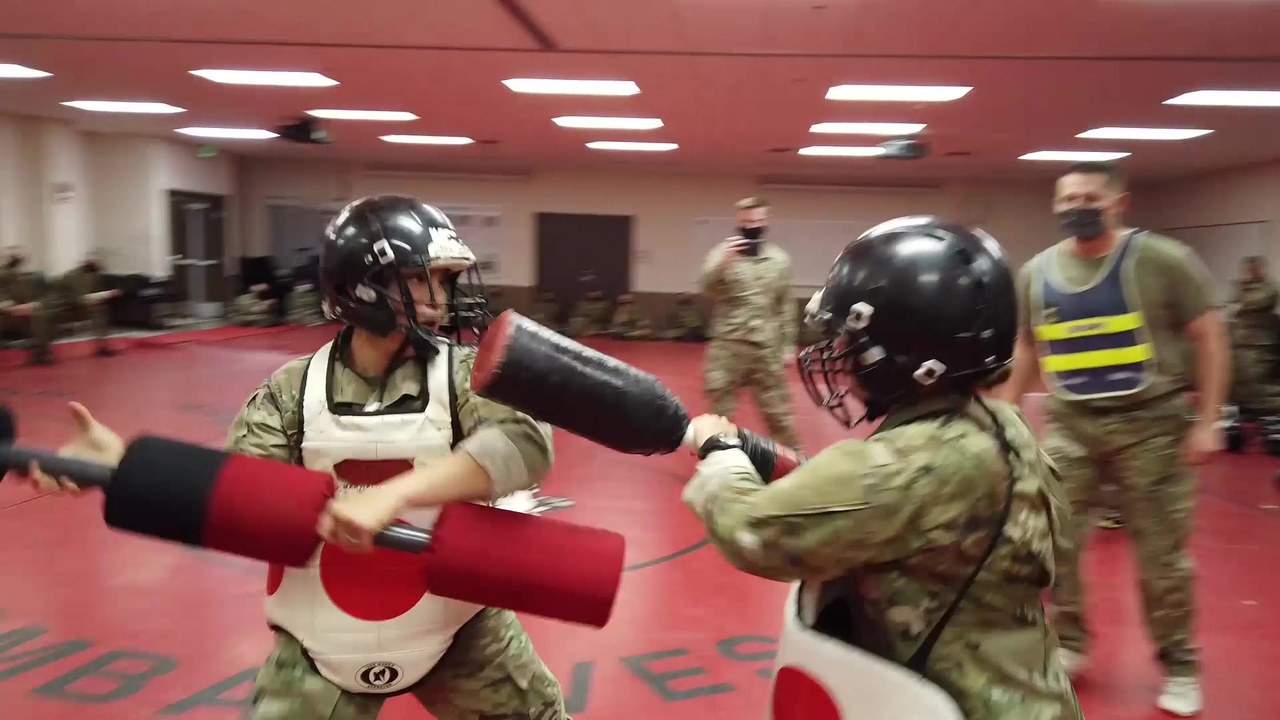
(306, 131)
(906, 148)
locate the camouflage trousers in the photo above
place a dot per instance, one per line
(490, 671)
(731, 365)
(38, 327)
(1253, 384)
(1138, 451)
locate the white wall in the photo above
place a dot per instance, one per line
(116, 197)
(119, 184)
(664, 206)
(1224, 216)
(120, 172)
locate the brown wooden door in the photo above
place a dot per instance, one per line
(581, 253)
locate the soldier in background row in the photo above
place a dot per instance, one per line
(627, 322)
(1255, 330)
(753, 322)
(86, 301)
(589, 316)
(26, 307)
(684, 323)
(546, 311)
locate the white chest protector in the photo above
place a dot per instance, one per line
(821, 678)
(368, 621)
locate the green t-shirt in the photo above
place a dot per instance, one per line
(1173, 289)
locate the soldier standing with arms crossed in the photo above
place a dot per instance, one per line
(752, 330)
(1111, 313)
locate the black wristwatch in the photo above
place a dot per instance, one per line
(718, 442)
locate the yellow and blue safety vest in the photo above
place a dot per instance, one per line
(1093, 341)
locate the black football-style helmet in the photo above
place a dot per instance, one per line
(372, 242)
(915, 305)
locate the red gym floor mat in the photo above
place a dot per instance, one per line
(97, 625)
(80, 349)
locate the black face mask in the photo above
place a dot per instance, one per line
(751, 233)
(1083, 223)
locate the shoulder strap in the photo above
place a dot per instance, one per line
(295, 448)
(920, 658)
(455, 422)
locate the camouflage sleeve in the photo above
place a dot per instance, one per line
(261, 428)
(512, 447)
(713, 270)
(787, 310)
(856, 503)
(1261, 298)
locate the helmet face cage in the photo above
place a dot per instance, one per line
(467, 316)
(385, 291)
(824, 372)
(847, 352)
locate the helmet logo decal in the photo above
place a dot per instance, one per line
(445, 244)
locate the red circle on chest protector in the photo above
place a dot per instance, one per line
(797, 696)
(275, 576)
(376, 586)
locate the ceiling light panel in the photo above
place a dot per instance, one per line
(1228, 98)
(607, 123)
(427, 139)
(632, 146)
(840, 151)
(9, 71)
(372, 115)
(866, 128)
(121, 106)
(551, 86)
(222, 133)
(898, 93)
(1073, 156)
(1128, 133)
(273, 78)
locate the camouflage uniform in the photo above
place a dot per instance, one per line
(76, 285)
(627, 322)
(546, 311)
(895, 524)
(23, 287)
(1132, 438)
(588, 316)
(685, 323)
(251, 310)
(753, 324)
(302, 306)
(1253, 338)
(491, 669)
